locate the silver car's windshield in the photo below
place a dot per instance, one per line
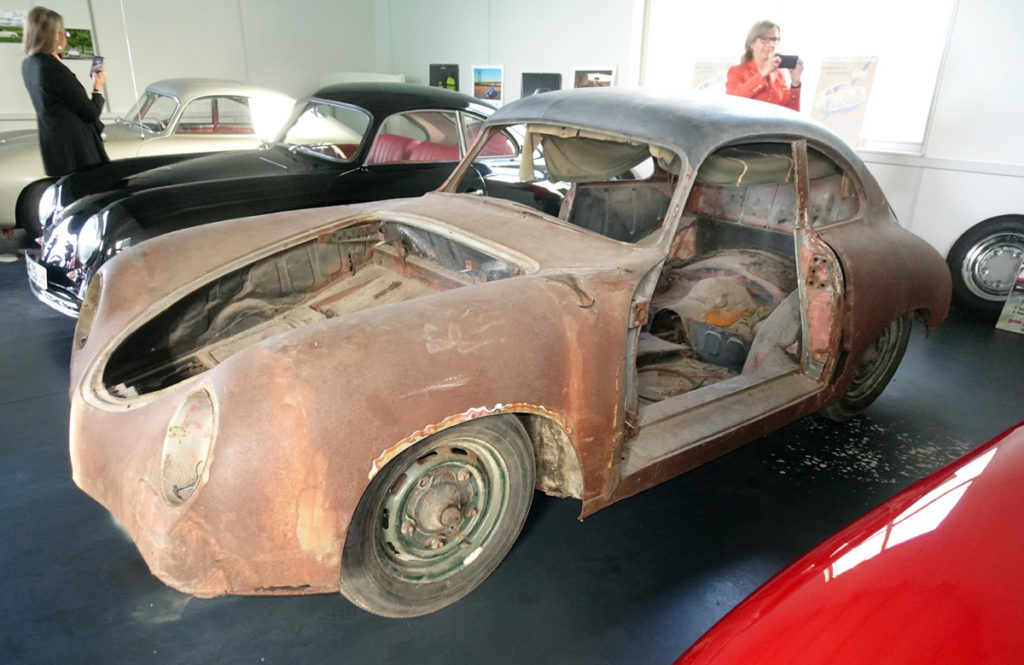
(152, 113)
(326, 129)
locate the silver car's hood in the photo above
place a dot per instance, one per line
(19, 140)
(11, 136)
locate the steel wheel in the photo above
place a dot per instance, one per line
(874, 369)
(984, 264)
(439, 518)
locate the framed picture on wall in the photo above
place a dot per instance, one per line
(709, 74)
(79, 44)
(534, 83)
(12, 22)
(444, 76)
(593, 77)
(10, 34)
(488, 81)
(841, 99)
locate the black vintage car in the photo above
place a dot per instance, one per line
(347, 143)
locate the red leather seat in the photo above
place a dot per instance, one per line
(391, 148)
(428, 151)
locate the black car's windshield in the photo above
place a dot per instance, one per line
(152, 113)
(326, 129)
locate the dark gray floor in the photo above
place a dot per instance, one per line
(635, 583)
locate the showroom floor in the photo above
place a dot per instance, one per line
(635, 583)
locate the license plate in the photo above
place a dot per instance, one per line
(36, 274)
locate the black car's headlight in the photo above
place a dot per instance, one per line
(49, 204)
(90, 237)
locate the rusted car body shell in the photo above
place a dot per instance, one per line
(305, 419)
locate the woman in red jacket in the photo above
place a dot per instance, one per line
(758, 76)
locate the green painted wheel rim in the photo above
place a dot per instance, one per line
(441, 510)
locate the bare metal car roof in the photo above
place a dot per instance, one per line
(697, 125)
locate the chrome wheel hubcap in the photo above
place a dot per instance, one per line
(990, 267)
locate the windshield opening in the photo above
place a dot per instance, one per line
(153, 112)
(612, 186)
(326, 129)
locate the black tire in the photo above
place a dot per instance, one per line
(439, 518)
(873, 371)
(26, 212)
(984, 262)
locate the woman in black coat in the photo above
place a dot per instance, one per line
(69, 121)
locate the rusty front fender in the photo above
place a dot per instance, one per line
(307, 417)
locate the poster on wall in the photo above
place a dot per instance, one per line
(10, 34)
(12, 28)
(593, 77)
(709, 74)
(842, 95)
(79, 44)
(536, 83)
(444, 76)
(11, 22)
(1012, 317)
(487, 82)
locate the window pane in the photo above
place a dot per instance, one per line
(331, 130)
(153, 112)
(418, 136)
(499, 145)
(233, 116)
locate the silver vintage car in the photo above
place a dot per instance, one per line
(175, 116)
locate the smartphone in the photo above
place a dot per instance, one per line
(97, 64)
(788, 61)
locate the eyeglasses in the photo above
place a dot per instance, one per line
(769, 40)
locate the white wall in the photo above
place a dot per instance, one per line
(980, 103)
(15, 106)
(286, 46)
(522, 36)
(289, 46)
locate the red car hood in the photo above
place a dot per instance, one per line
(931, 576)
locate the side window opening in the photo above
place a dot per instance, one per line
(216, 115)
(417, 136)
(619, 189)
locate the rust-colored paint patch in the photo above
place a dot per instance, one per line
(819, 319)
(519, 407)
(684, 244)
(315, 519)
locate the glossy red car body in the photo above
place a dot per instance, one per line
(931, 576)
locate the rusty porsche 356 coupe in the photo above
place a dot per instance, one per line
(363, 398)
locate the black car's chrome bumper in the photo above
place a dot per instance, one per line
(61, 298)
